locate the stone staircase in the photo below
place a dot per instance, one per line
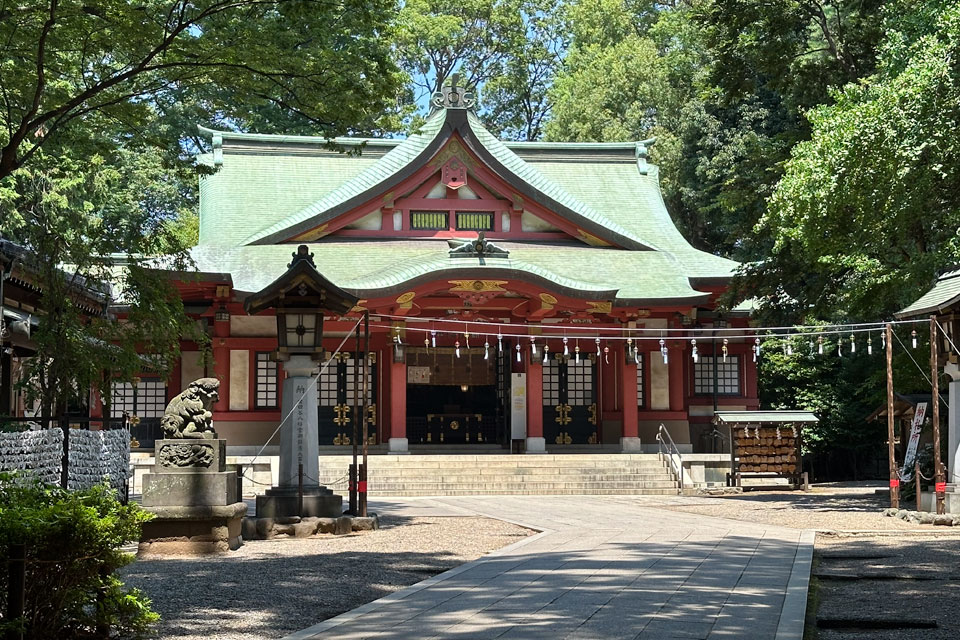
(501, 474)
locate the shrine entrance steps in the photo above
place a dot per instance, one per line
(504, 474)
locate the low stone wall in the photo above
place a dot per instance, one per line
(296, 527)
(700, 470)
(259, 473)
(705, 469)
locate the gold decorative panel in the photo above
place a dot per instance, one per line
(478, 286)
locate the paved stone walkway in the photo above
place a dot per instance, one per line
(603, 568)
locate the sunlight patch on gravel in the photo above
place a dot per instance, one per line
(270, 588)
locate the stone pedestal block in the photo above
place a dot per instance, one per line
(189, 489)
(536, 445)
(631, 445)
(184, 455)
(398, 446)
(193, 497)
(201, 529)
(316, 505)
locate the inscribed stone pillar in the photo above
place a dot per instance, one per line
(535, 441)
(299, 442)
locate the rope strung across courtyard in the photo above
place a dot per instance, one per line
(788, 336)
(313, 382)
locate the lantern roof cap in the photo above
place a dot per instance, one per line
(301, 286)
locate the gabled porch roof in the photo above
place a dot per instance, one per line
(417, 151)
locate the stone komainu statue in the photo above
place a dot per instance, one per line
(188, 415)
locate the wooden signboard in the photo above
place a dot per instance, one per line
(766, 444)
(768, 450)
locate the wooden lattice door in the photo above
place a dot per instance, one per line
(570, 400)
(335, 398)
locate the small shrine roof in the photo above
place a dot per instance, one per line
(771, 416)
(945, 293)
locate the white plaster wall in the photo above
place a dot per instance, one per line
(530, 222)
(466, 193)
(659, 382)
(252, 326)
(191, 368)
(239, 380)
(370, 222)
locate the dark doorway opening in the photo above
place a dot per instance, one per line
(450, 414)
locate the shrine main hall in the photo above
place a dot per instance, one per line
(522, 295)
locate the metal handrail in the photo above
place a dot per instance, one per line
(671, 450)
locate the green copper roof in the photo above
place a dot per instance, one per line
(253, 188)
(385, 167)
(420, 148)
(531, 176)
(945, 293)
(635, 202)
(378, 268)
(267, 187)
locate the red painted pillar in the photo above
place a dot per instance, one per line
(535, 441)
(398, 407)
(96, 409)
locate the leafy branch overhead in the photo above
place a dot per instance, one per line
(69, 62)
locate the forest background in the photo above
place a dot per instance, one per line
(816, 142)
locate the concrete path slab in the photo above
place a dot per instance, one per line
(600, 569)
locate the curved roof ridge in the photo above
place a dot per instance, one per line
(491, 150)
(392, 162)
(424, 266)
(528, 173)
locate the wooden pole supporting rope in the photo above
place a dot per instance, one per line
(356, 393)
(939, 486)
(916, 473)
(362, 476)
(894, 474)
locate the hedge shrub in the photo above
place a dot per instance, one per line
(73, 544)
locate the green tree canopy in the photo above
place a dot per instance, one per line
(869, 208)
(114, 66)
(637, 70)
(507, 49)
(99, 103)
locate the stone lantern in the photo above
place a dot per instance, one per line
(300, 297)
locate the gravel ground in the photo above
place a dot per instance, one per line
(826, 507)
(274, 587)
(888, 578)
